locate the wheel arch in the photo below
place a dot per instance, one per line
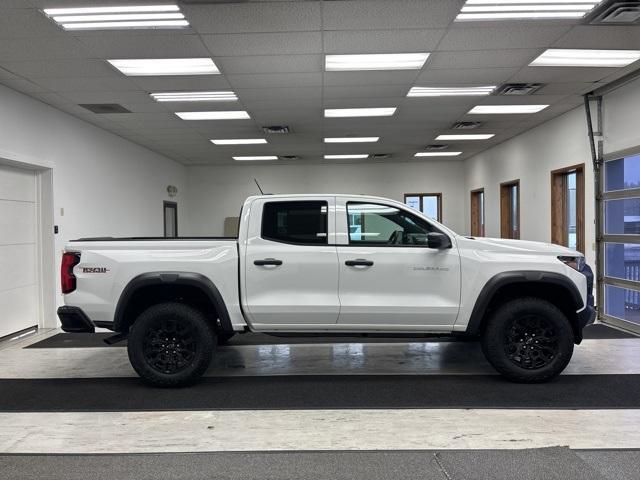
(550, 286)
(152, 288)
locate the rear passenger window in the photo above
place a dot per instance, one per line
(303, 223)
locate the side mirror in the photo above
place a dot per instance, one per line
(438, 240)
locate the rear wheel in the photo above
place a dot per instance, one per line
(528, 340)
(171, 344)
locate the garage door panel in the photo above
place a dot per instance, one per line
(17, 222)
(18, 266)
(17, 184)
(19, 309)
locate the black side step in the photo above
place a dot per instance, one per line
(118, 337)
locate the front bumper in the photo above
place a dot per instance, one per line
(74, 320)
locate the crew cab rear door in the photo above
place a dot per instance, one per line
(389, 278)
(291, 263)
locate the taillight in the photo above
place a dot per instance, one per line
(68, 279)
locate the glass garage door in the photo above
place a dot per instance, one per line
(620, 246)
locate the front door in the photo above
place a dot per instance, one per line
(291, 266)
(389, 278)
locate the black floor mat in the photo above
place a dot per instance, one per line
(558, 463)
(321, 391)
(88, 340)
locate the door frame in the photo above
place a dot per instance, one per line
(505, 210)
(481, 227)
(173, 205)
(47, 250)
(559, 208)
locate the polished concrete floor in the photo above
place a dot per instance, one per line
(176, 430)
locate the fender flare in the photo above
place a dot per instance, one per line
(197, 280)
(519, 276)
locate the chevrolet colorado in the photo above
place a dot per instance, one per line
(327, 264)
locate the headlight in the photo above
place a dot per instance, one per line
(577, 263)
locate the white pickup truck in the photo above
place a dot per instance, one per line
(327, 264)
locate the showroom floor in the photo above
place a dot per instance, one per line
(295, 409)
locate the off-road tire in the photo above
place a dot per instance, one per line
(192, 344)
(525, 358)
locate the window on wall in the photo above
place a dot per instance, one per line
(428, 203)
(302, 223)
(382, 225)
(170, 219)
(567, 207)
(621, 240)
(510, 209)
(477, 213)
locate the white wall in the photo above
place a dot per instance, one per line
(531, 157)
(218, 192)
(106, 185)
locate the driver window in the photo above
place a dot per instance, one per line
(374, 224)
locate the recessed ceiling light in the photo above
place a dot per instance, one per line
(505, 109)
(450, 91)
(559, 57)
(240, 141)
(437, 154)
(337, 157)
(475, 136)
(166, 66)
(232, 115)
(351, 139)
(524, 9)
(359, 112)
(194, 96)
(133, 16)
(256, 157)
(375, 61)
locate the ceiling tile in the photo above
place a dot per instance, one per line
(275, 80)
(463, 76)
(270, 64)
(463, 37)
(561, 74)
(60, 68)
(181, 82)
(379, 91)
(483, 58)
(264, 43)
(254, 17)
(382, 41)
(85, 84)
(140, 46)
(42, 48)
(385, 14)
(397, 77)
(23, 23)
(601, 37)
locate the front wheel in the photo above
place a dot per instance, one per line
(528, 340)
(171, 344)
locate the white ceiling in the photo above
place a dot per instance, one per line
(271, 54)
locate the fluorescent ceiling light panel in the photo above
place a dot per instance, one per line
(165, 66)
(560, 57)
(524, 9)
(350, 156)
(256, 157)
(194, 96)
(351, 139)
(240, 141)
(506, 109)
(450, 91)
(375, 61)
(232, 115)
(437, 154)
(124, 17)
(359, 112)
(475, 136)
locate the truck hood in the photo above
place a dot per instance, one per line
(520, 246)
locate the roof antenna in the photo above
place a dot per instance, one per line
(259, 187)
